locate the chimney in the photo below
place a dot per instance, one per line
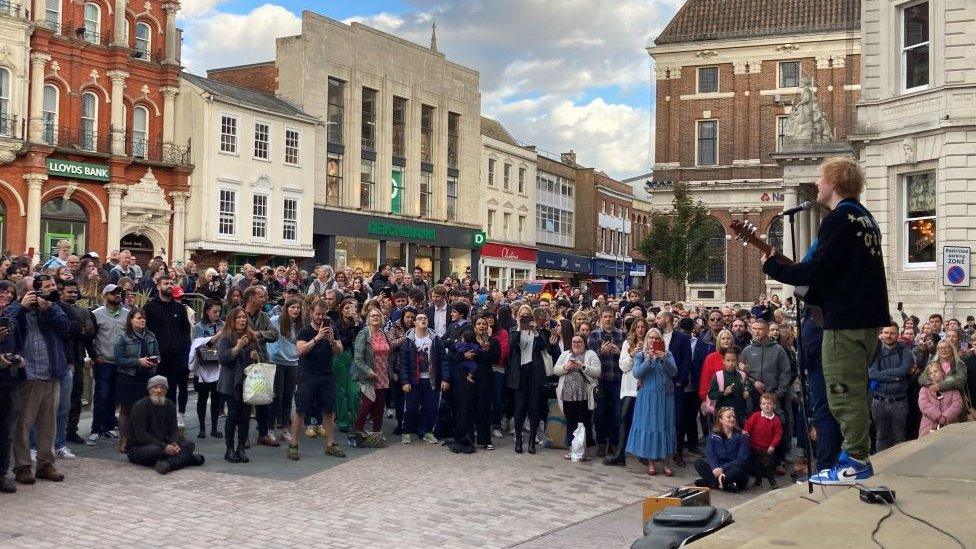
(568, 157)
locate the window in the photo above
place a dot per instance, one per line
(452, 185)
(915, 46)
(291, 147)
(143, 40)
(396, 191)
(399, 126)
(333, 181)
(52, 15)
(506, 177)
(707, 79)
(6, 121)
(89, 121)
(920, 220)
(781, 124)
(227, 217)
(336, 105)
(714, 273)
(93, 23)
(426, 133)
(506, 223)
(521, 181)
(491, 223)
(774, 236)
(553, 220)
(491, 172)
(289, 216)
(259, 216)
(262, 141)
(425, 184)
(453, 138)
(228, 134)
(50, 115)
(367, 184)
(140, 132)
(789, 74)
(707, 143)
(369, 119)
(521, 225)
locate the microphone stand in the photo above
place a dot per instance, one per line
(801, 307)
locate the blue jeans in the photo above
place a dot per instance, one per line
(608, 413)
(103, 407)
(498, 402)
(420, 408)
(827, 447)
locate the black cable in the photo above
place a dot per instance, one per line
(930, 525)
(895, 505)
(877, 527)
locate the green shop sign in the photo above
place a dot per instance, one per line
(384, 228)
(479, 239)
(80, 170)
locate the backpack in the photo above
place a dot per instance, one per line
(708, 406)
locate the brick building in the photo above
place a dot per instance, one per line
(727, 73)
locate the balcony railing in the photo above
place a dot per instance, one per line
(52, 26)
(153, 150)
(79, 139)
(9, 126)
(11, 9)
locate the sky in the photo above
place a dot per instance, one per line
(558, 74)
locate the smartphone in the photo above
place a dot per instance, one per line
(657, 345)
(607, 338)
(899, 305)
(153, 360)
(327, 323)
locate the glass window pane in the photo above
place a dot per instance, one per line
(707, 79)
(920, 190)
(921, 241)
(917, 67)
(917, 24)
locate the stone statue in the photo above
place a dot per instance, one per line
(807, 122)
(908, 150)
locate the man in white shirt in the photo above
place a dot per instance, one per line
(437, 313)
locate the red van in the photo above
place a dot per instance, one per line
(540, 287)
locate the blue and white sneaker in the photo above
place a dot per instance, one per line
(847, 472)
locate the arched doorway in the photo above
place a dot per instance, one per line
(140, 246)
(65, 219)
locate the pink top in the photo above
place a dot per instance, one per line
(381, 359)
(946, 366)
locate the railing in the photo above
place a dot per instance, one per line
(92, 37)
(11, 9)
(154, 151)
(8, 125)
(79, 139)
(369, 143)
(52, 26)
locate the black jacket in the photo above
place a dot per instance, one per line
(513, 375)
(845, 271)
(171, 325)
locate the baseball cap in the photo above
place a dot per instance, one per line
(110, 289)
(93, 254)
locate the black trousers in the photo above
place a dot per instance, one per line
(528, 400)
(175, 368)
(576, 413)
(8, 413)
(762, 464)
(238, 421)
(289, 381)
(77, 387)
(149, 455)
(207, 391)
(733, 473)
(464, 409)
(626, 419)
(686, 417)
(484, 380)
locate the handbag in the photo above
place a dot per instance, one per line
(206, 355)
(259, 383)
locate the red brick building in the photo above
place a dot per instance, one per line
(99, 166)
(727, 74)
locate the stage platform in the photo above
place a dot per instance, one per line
(934, 478)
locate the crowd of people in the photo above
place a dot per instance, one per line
(452, 362)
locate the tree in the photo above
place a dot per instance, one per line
(678, 243)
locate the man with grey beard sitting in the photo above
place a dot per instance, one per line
(154, 437)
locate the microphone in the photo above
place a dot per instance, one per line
(801, 207)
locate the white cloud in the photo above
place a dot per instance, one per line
(196, 8)
(223, 39)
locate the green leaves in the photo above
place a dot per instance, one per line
(679, 244)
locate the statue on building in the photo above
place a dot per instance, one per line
(807, 122)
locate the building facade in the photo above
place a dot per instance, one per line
(640, 219)
(561, 256)
(15, 31)
(508, 174)
(251, 197)
(398, 157)
(916, 128)
(727, 74)
(101, 166)
(612, 261)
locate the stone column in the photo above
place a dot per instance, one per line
(170, 56)
(790, 200)
(813, 219)
(115, 191)
(118, 115)
(120, 38)
(802, 235)
(169, 112)
(178, 244)
(36, 121)
(33, 234)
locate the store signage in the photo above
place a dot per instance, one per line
(479, 239)
(955, 266)
(81, 170)
(771, 197)
(509, 252)
(396, 193)
(638, 269)
(564, 262)
(397, 230)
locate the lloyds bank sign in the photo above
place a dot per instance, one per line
(80, 170)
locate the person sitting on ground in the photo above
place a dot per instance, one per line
(725, 455)
(765, 431)
(154, 437)
(939, 408)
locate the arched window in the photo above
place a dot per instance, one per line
(143, 39)
(6, 120)
(715, 273)
(775, 235)
(140, 132)
(89, 121)
(93, 23)
(50, 115)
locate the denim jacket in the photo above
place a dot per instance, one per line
(128, 351)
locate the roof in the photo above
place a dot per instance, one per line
(252, 98)
(699, 20)
(494, 129)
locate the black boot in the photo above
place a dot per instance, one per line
(214, 432)
(532, 434)
(241, 455)
(518, 442)
(231, 456)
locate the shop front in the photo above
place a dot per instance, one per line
(637, 275)
(614, 272)
(573, 269)
(505, 266)
(356, 240)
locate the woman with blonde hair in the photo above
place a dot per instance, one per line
(947, 357)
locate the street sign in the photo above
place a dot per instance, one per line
(955, 266)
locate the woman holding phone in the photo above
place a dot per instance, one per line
(579, 371)
(136, 358)
(526, 374)
(652, 432)
(237, 348)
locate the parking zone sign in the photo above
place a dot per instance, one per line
(955, 266)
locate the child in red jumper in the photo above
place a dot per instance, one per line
(765, 431)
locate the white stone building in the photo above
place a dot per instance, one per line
(916, 135)
(15, 29)
(251, 194)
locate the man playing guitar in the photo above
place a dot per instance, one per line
(846, 276)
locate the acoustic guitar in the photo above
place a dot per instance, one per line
(748, 234)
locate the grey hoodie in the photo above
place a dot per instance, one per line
(767, 362)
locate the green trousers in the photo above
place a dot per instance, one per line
(846, 356)
(347, 391)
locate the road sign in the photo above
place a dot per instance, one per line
(955, 266)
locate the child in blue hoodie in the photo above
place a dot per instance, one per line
(468, 342)
(724, 466)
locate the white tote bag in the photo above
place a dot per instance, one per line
(259, 383)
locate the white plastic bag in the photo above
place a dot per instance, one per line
(259, 384)
(578, 446)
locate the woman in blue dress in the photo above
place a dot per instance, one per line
(652, 433)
